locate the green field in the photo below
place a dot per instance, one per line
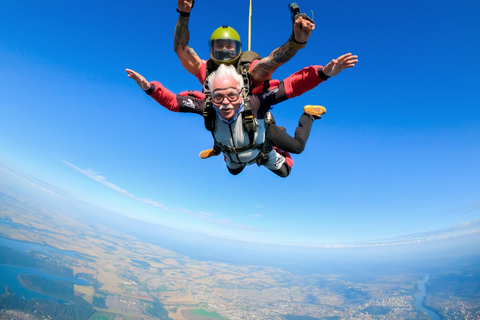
(201, 314)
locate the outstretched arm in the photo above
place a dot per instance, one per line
(302, 29)
(156, 91)
(188, 101)
(188, 57)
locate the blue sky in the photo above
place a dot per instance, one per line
(396, 154)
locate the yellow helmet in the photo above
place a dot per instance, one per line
(225, 45)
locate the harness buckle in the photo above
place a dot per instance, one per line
(209, 116)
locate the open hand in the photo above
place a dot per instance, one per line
(336, 65)
(141, 81)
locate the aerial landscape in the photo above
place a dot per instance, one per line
(85, 269)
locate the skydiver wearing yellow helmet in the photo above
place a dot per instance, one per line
(260, 70)
(225, 48)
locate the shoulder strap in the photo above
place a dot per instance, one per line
(211, 66)
(208, 111)
(248, 119)
(246, 59)
(243, 67)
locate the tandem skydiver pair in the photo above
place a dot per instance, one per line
(238, 93)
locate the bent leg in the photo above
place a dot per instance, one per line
(283, 172)
(234, 168)
(281, 139)
(277, 164)
(235, 171)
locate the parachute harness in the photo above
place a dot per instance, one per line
(209, 115)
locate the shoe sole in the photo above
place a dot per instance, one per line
(207, 154)
(314, 110)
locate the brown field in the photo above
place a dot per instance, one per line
(172, 298)
(87, 291)
(184, 314)
(110, 282)
(177, 315)
(206, 281)
(157, 264)
(228, 276)
(142, 297)
(256, 280)
(170, 262)
(197, 267)
(169, 272)
(83, 270)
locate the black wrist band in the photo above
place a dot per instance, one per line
(150, 90)
(322, 75)
(295, 44)
(183, 14)
(292, 38)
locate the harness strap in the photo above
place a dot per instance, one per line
(234, 150)
(262, 156)
(248, 119)
(208, 112)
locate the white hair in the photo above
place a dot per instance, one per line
(225, 71)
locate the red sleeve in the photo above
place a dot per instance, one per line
(193, 93)
(253, 64)
(165, 97)
(202, 73)
(271, 84)
(302, 81)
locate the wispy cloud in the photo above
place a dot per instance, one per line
(101, 179)
(461, 229)
(255, 215)
(460, 210)
(36, 183)
(204, 216)
(209, 217)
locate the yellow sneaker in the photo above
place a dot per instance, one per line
(315, 111)
(208, 153)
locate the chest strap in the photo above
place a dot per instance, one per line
(234, 150)
(262, 156)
